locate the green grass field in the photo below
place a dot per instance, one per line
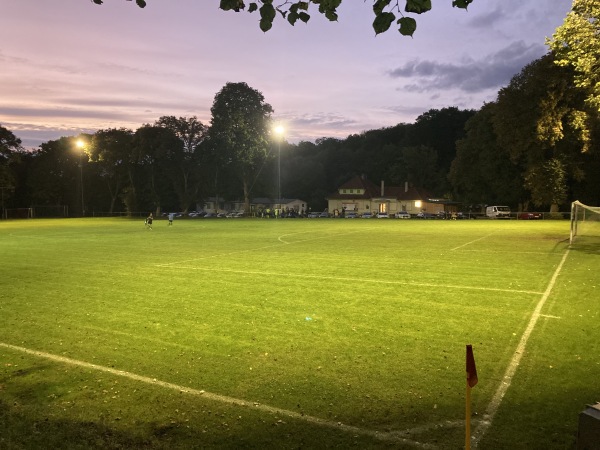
(320, 333)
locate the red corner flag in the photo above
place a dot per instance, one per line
(471, 369)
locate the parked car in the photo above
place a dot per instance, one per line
(530, 216)
(402, 215)
(425, 215)
(210, 215)
(324, 214)
(383, 215)
(366, 215)
(313, 215)
(351, 215)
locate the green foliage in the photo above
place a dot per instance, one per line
(240, 130)
(408, 26)
(292, 11)
(576, 43)
(538, 119)
(547, 183)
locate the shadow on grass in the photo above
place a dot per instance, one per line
(20, 431)
(589, 247)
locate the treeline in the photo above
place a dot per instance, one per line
(535, 147)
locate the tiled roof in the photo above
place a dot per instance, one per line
(373, 191)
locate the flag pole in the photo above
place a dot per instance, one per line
(468, 419)
(471, 381)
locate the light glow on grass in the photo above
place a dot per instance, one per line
(222, 306)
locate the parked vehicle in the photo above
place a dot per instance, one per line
(366, 215)
(530, 216)
(313, 215)
(497, 212)
(324, 214)
(425, 215)
(383, 215)
(351, 215)
(402, 215)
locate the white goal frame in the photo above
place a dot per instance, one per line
(581, 213)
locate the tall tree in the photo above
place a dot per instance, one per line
(386, 12)
(538, 121)
(10, 148)
(187, 163)
(576, 43)
(54, 174)
(482, 172)
(111, 149)
(154, 149)
(239, 132)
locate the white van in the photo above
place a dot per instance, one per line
(497, 212)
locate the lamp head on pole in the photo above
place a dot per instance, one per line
(279, 130)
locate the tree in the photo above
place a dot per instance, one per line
(576, 43)
(10, 147)
(386, 12)
(186, 163)
(538, 122)
(153, 152)
(54, 174)
(239, 132)
(110, 150)
(482, 172)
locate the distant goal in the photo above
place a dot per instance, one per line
(585, 221)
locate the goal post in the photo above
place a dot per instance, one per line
(585, 220)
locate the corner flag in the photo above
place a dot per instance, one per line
(471, 369)
(471, 381)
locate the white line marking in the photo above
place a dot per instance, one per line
(471, 242)
(364, 280)
(381, 435)
(492, 408)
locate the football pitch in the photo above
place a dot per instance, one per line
(295, 333)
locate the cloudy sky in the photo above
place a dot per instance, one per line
(70, 66)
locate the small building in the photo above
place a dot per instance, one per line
(361, 195)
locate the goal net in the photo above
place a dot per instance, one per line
(585, 221)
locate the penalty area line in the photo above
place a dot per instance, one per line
(492, 408)
(471, 242)
(380, 435)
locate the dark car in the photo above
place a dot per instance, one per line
(425, 215)
(530, 216)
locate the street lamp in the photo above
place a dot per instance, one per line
(81, 146)
(279, 130)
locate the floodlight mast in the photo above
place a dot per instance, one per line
(279, 130)
(81, 147)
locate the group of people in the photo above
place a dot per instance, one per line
(276, 213)
(150, 218)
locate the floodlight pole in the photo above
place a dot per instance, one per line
(279, 131)
(81, 145)
(279, 173)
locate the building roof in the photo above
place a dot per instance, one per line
(372, 191)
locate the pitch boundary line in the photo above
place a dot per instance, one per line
(380, 435)
(492, 408)
(365, 280)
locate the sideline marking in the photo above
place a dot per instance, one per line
(492, 408)
(381, 435)
(471, 242)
